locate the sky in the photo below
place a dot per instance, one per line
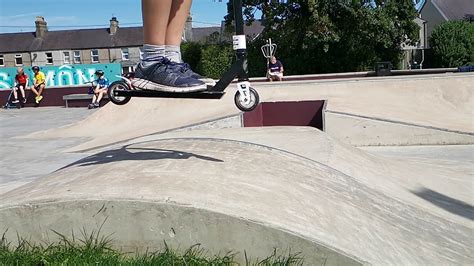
(19, 16)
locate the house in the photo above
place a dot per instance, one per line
(87, 46)
(83, 46)
(221, 34)
(431, 14)
(435, 12)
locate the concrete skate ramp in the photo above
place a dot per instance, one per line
(252, 189)
(440, 102)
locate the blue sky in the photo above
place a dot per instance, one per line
(69, 14)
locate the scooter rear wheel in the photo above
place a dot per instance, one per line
(115, 86)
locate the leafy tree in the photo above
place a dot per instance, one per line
(213, 38)
(452, 43)
(215, 60)
(320, 36)
(191, 53)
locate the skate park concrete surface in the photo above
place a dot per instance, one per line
(335, 197)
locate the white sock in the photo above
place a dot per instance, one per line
(152, 53)
(173, 53)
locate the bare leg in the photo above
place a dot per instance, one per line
(33, 89)
(41, 89)
(156, 14)
(15, 93)
(177, 19)
(163, 24)
(99, 97)
(22, 90)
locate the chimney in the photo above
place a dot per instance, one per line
(41, 27)
(114, 25)
(188, 29)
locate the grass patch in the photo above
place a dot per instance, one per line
(94, 249)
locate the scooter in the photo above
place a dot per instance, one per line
(246, 98)
(9, 104)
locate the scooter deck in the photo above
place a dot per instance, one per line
(208, 94)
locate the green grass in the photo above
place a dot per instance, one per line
(94, 249)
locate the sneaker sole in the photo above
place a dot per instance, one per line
(208, 82)
(148, 85)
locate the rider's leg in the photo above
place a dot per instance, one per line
(155, 71)
(174, 32)
(177, 21)
(155, 21)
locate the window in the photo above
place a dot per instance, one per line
(67, 57)
(77, 57)
(18, 60)
(126, 70)
(49, 58)
(2, 60)
(95, 56)
(125, 55)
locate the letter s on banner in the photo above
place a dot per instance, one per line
(4, 81)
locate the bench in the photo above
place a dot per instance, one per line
(81, 100)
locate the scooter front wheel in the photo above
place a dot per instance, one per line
(247, 103)
(115, 86)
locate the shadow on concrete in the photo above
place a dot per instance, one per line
(449, 204)
(137, 154)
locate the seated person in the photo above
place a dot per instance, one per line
(21, 83)
(275, 70)
(102, 84)
(39, 84)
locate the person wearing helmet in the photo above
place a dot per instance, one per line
(39, 83)
(102, 83)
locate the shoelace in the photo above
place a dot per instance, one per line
(182, 67)
(162, 61)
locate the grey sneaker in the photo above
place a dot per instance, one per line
(15, 101)
(188, 72)
(165, 76)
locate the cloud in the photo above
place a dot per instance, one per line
(26, 22)
(61, 20)
(21, 15)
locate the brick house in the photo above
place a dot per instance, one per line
(85, 46)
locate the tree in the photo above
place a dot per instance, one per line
(452, 43)
(320, 36)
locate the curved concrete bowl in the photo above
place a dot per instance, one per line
(229, 196)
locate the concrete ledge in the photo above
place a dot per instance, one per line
(139, 225)
(365, 131)
(80, 98)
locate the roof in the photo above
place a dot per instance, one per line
(200, 34)
(71, 39)
(94, 38)
(254, 30)
(454, 9)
